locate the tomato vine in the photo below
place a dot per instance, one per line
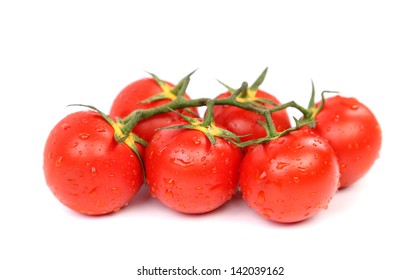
(238, 98)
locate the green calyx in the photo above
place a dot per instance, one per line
(248, 95)
(271, 131)
(313, 110)
(206, 126)
(168, 91)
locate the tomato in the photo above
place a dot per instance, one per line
(86, 169)
(353, 132)
(291, 178)
(128, 100)
(188, 174)
(245, 123)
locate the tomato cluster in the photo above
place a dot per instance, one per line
(95, 163)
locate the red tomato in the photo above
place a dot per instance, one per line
(190, 175)
(291, 178)
(86, 169)
(128, 100)
(242, 122)
(354, 134)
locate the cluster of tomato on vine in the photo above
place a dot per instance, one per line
(287, 169)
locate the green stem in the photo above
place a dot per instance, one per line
(292, 104)
(209, 117)
(176, 104)
(181, 103)
(272, 132)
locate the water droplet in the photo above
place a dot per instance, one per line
(84, 136)
(114, 189)
(302, 169)
(262, 175)
(93, 192)
(246, 193)
(169, 193)
(280, 141)
(368, 147)
(296, 179)
(299, 146)
(268, 210)
(280, 165)
(227, 160)
(168, 181)
(261, 197)
(93, 171)
(199, 188)
(65, 126)
(162, 149)
(216, 187)
(342, 166)
(214, 169)
(182, 162)
(196, 140)
(354, 107)
(111, 176)
(336, 118)
(203, 158)
(100, 129)
(153, 191)
(59, 161)
(75, 144)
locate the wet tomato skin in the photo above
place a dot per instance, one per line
(354, 134)
(128, 100)
(86, 169)
(188, 174)
(245, 123)
(291, 178)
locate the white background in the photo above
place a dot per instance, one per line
(54, 53)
